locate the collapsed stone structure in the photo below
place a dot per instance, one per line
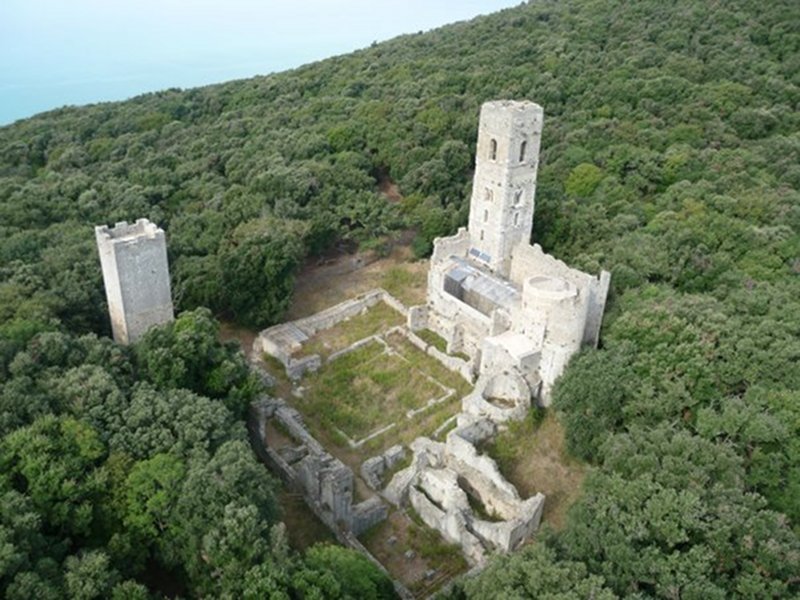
(491, 294)
(136, 277)
(461, 493)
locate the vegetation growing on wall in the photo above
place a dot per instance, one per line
(670, 156)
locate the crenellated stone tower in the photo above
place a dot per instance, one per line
(504, 186)
(136, 277)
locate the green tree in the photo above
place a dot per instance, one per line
(56, 461)
(536, 572)
(89, 576)
(333, 572)
(592, 395)
(259, 259)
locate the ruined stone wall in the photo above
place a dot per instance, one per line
(283, 340)
(441, 476)
(597, 306)
(453, 363)
(136, 276)
(326, 483)
(531, 261)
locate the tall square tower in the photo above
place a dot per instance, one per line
(504, 186)
(136, 277)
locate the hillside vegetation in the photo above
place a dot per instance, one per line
(670, 156)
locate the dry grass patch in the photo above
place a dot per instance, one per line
(320, 286)
(407, 281)
(391, 539)
(532, 455)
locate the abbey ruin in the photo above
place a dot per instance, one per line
(491, 294)
(511, 316)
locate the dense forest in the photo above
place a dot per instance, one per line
(670, 156)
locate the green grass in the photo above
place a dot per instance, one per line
(433, 339)
(365, 390)
(375, 320)
(428, 365)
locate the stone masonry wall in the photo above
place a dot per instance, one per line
(136, 276)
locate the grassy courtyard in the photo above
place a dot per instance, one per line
(377, 319)
(365, 390)
(368, 389)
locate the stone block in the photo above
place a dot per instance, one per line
(396, 491)
(393, 456)
(372, 470)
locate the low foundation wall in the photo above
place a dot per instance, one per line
(453, 363)
(284, 340)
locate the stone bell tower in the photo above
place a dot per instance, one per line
(507, 158)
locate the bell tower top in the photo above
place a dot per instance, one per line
(502, 203)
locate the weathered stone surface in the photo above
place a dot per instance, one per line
(443, 476)
(136, 276)
(492, 295)
(393, 456)
(371, 471)
(396, 491)
(292, 454)
(326, 483)
(366, 514)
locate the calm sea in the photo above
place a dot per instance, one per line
(55, 53)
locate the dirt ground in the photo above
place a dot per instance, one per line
(539, 463)
(321, 285)
(432, 562)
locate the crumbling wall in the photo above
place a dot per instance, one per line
(440, 480)
(453, 363)
(373, 468)
(597, 306)
(326, 483)
(500, 397)
(284, 340)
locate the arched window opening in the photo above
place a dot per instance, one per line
(518, 197)
(493, 149)
(516, 219)
(485, 216)
(481, 234)
(488, 195)
(522, 147)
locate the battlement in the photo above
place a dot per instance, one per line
(126, 232)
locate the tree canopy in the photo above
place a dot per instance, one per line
(670, 156)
